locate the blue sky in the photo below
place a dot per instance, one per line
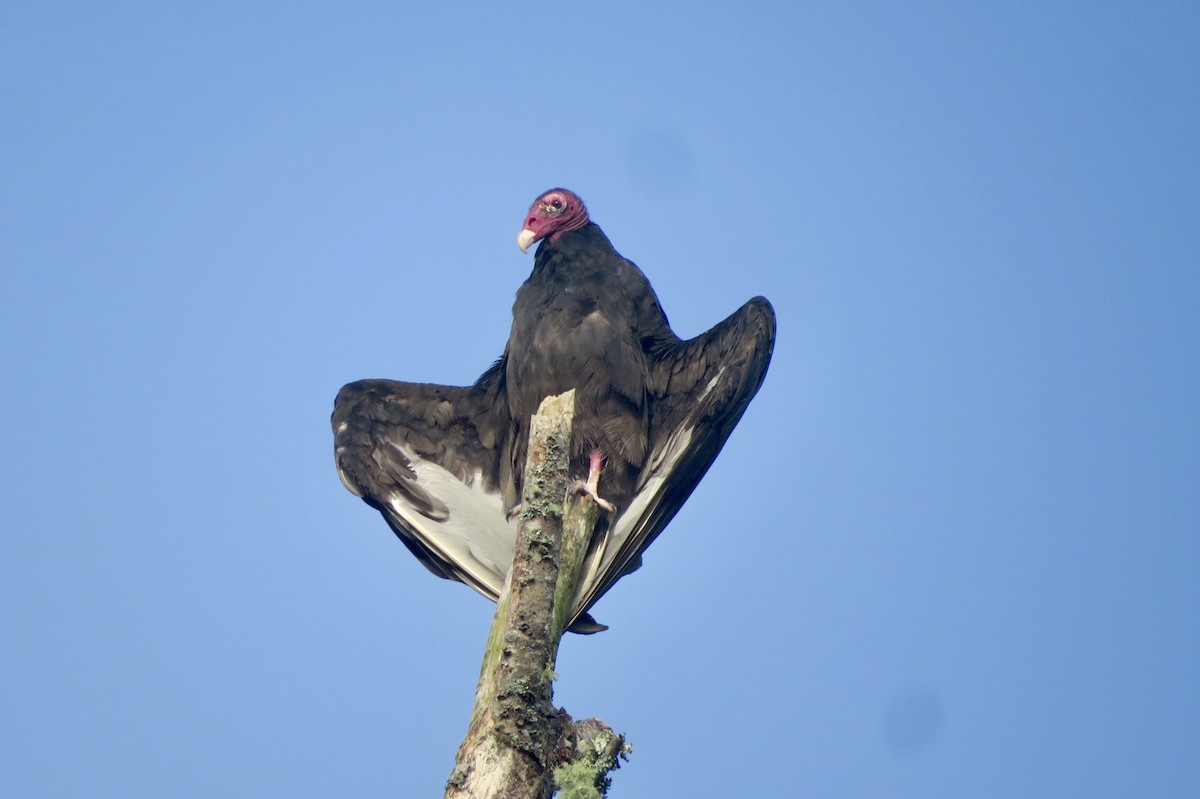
(952, 550)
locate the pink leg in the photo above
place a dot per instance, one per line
(592, 486)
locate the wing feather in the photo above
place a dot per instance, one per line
(428, 457)
(701, 387)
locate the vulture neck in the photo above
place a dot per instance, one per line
(571, 250)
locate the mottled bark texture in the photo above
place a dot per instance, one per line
(517, 739)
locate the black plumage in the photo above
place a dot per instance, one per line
(443, 464)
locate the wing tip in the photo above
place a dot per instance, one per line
(586, 625)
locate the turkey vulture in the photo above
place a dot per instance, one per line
(444, 464)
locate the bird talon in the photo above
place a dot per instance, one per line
(582, 488)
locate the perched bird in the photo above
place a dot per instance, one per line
(444, 464)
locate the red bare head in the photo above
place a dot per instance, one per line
(555, 212)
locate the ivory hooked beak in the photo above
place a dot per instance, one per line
(525, 238)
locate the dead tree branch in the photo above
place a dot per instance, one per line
(517, 738)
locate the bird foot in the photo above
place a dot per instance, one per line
(514, 511)
(591, 486)
(583, 488)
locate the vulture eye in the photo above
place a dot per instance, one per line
(554, 206)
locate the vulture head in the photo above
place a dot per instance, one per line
(556, 211)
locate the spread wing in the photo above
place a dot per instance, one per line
(430, 459)
(699, 390)
(437, 461)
